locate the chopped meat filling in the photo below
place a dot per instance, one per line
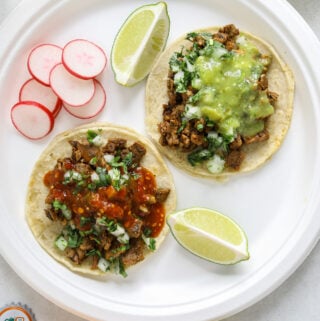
(189, 135)
(107, 202)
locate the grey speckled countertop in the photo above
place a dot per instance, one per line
(297, 299)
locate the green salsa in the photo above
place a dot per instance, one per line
(227, 84)
(226, 94)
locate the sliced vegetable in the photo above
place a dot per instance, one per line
(61, 243)
(42, 59)
(215, 164)
(66, 212)
(139, 43)
(33, 90)
(150, 242)
(32, 119)
(93, 107)
(61, 77)
(72, 90)
(103, 264)
(115, 229)
(83, 58)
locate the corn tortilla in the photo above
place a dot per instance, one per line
(44, 230)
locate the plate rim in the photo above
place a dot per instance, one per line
(296, 259)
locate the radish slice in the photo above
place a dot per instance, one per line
(57, 111)
(32, 90)
(72, 90)
(32, 119)
(42, 59)
(83, 58)
(91, 109)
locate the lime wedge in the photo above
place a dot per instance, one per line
(139, 43)
(210, 235)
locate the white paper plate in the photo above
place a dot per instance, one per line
(278, 206)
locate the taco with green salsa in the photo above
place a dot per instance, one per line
(219, 102)
(98, 198)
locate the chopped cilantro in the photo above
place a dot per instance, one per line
(147, 231)
(104, 178)
(94, 252)
(66, 212)
(200, 127)
(118, 266)
(84, 220)
(205, 35)
(93, 161)
(152, 244)
(150, 241)
(194, 98)
(74, 237)
(115, 162)
(122, 270)
(182, 126)
(91, 135)
(199, 156)
(111, 225)
(121, 248)
(127, 160)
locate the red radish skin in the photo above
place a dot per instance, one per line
(70, 89)
(32, 90)
(83, 58)
(93, 108)
(32, 119)
(57, 111)
(42, 59)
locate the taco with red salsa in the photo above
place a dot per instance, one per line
(219, 102)
(98, 198)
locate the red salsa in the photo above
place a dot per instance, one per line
(109, 204)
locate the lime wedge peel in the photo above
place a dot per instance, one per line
(139, 43)
(209, 235)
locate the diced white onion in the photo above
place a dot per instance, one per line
(146, 240)
(108, 157)
(178, 76)
(119, 231)
(61, 243)
(120, 234)
(192, 112)
(213, 135)
(73, 175)
(190, 67)
(114, 174)
(215, 164)
(125, 176)
(67, 174)
(241, 40)
(220, 52)
(103, 264)
(98, 140)
(94, 177)
(124, 239)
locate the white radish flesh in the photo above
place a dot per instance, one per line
(83, 58)
(32, 90)
(42, 59)
(32, 119)
(93, 108)
(70, 89)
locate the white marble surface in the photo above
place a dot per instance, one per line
(297, 299)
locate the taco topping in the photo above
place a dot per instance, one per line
(218, 99)
(109, 205)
